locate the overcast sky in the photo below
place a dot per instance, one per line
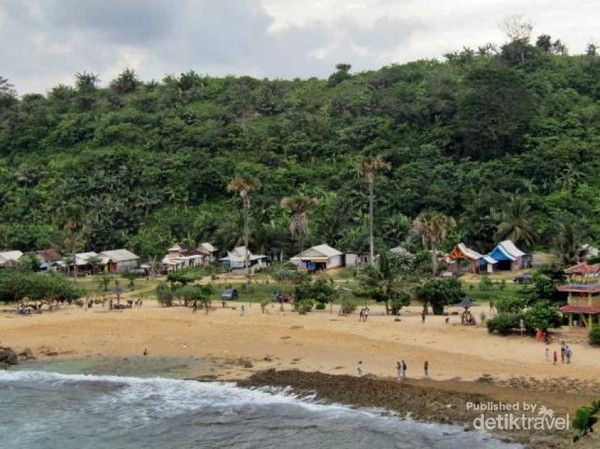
(45, 42)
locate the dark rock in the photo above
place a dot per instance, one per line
(8, 357)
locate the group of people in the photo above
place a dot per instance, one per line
(401, 368)
(566, 353)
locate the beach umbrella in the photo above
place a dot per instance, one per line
(466, 302)
(118, 290)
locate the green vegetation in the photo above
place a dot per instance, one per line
(17, 284)
(594, 335)
(503, 141)
(584, 420)
(439, 293)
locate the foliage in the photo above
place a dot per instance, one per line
(440, 292)
(286, 276)
(131, 276)
(542, 315)
(16, 285)
(504, 323)
(164, 294)
(502, 139)
(513, 304)
(184, 276)
(304, 306)
(103, 280)
(386, 280)
(594, 335)
(321, 291)
(399, 300)
(584, 420)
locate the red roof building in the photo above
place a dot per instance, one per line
(583, 294)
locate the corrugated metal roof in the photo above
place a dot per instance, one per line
(511, 248)
(323, 250)
(207, 246)
(118, 255)
(81, 258)
(11, 255)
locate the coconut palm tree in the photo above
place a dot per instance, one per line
(434, 227)
(299, 205)
(369, 168)
(245, 185)
(516, 223)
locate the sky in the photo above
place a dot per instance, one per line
(46, 42)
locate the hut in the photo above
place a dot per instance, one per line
(10, 258)
(583, 290)
(236, 259)
(119, 260)
(462, 255)
(49, 259)
(510, 257)
(320, 257)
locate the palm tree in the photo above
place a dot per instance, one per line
(369, 168)
(516, 223)
(299, 205)
(386, 279)
(74, 223)
(434, 227)
(245, 185)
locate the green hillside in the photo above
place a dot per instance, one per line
(496, 136)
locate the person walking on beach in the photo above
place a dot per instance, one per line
(367, 310)
(562, 351)
(242, 310)
(399, 369)
(404, 368)
(195, 307)
(555, 357)
(426, 368)
(568, 353)
(361, 315)
(359, 368)
(547, 354)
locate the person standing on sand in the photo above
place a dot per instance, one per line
(242, 310)
(568, 353)
(547, 354)
(404, 368)
(366, 314)
(562, 351)
(426, 368)
(359, 368)
(399, 369)
(555, 357)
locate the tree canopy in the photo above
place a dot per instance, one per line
(503, 140)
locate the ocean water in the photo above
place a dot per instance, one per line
(47, 410)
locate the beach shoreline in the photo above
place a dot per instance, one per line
(224, 346)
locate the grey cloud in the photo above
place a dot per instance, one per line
(46, 41)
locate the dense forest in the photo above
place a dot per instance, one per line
(505, 140)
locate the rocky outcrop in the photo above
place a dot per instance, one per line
(8, 357)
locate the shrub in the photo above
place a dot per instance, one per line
(542, 315)
(304, 306)
(320, 306)
(594, 335)
(398, 301)
(348, 307)
(504, 323)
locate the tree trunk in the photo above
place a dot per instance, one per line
(371, 243)
(246, 237)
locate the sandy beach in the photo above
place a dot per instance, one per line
(319, 341)
(462, 359)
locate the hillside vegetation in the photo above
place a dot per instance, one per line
(506, 141)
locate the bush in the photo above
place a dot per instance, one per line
(348, 307)
(542, 315)
(304, 306)
(398, 301)
(510, 305)
(320, 306)
(594, 335)
(504, 323)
